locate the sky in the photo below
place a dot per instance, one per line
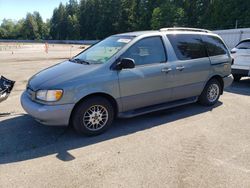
(17, 9)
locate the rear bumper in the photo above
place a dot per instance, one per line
(242, 72)
(228, 80)
(49, 115)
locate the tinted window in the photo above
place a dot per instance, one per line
(243, 45)
(147, 51)
(187, 46)
(214, 45)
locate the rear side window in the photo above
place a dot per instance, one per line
(147, 51)
(214, 45)
(244, 45)
(187, 46)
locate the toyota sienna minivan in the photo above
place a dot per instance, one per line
(130, 74)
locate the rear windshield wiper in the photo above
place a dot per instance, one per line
(79, 61)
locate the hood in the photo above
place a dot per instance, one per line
(58, 74)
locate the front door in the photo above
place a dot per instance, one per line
(149, 82)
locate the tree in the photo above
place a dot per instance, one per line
(97, 19)
(72, 22)
(59, 23)
(42, 27)
(156, 20)
(107, 21)
(167, 15)
(90, 13)
(7, 29)
(30, 28)
(73, 27)
(122, 24)
(72, 8)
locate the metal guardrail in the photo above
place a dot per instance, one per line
(83, 42)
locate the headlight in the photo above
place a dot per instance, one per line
(49, 95)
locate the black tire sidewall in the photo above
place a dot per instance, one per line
(85, 105)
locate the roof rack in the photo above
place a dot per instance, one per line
(184, 29)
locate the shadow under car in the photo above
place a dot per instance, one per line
(22, 138)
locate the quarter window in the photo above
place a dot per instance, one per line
(187, 46)
(214, 45)
(147, 51)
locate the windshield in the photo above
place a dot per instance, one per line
(101, 52)
(244, 45)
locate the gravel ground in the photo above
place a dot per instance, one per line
(189, 146)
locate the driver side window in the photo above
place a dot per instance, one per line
(147, 51)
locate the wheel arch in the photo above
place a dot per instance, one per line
(219, 79)
(98, 94)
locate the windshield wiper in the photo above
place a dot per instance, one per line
(79, 61)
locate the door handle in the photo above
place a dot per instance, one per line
(166, 70)
(180, 68)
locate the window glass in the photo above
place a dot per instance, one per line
(147, 51)
(187, 46)
(243, 45)
(214, 45)
(104, 50)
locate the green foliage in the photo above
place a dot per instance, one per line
(97, 19)
(32, 27)
(7, 29)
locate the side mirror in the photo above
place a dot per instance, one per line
(125, 63)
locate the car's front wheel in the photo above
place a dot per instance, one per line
(211, 93)
(93, 116)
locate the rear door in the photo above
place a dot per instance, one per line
(149, 82)
(192, 66)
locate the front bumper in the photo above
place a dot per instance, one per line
(47, 114)
(228, 80)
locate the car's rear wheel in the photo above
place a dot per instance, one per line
(211, 93)
(93, 116)
(237, 77)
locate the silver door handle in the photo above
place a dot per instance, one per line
(166, 70)
(180, 68)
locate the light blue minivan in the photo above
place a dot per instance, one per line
(130, 74)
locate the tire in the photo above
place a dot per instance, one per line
(237, 77)
(211, 93)
(93, 116)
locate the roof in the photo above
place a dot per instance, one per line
(136, 33)
(169, 30)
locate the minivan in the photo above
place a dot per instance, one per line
(130, 74)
